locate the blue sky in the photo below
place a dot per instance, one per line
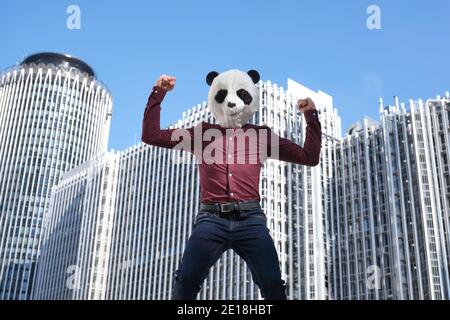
(324, 45)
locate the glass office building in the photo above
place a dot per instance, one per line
(389, 221)
(77, 240)
(54, 116)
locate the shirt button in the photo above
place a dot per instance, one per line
(231, 138)
(232, 194)
(230, 174)
(229, 156)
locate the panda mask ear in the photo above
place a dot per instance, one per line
(254, 75)
(211, 76)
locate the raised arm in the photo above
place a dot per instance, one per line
(309, 154)
(152, 133)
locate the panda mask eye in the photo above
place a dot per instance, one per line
(221, 95)
(245, 96)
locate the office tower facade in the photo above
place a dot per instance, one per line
(76, 244)
(307, 202)
(54, 116)
(157, 198)
(390, 218)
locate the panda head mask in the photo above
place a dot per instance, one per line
(233, 96)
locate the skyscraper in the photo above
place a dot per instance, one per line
(389, 221)
(76, 245)
(54, 115)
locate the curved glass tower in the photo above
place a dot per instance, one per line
(54, 115)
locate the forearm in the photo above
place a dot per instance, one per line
(309, 154)
(313, 138)
(151, 125)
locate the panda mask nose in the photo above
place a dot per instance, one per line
(231, 104)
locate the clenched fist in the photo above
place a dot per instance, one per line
(166, 82)
(306, 104)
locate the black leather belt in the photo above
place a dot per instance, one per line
(227, 207)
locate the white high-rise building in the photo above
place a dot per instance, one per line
(77, 238)
(54, 116)
(389, 221)
(308, 200)
(157, 198)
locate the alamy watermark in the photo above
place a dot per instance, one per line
(73, 21)
(73, 281)
(373, 273)
(235, 146)
(374, 19)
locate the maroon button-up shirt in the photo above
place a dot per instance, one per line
(230, 159)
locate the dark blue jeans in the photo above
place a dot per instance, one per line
(249, 237)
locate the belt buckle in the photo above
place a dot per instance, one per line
(223, 205)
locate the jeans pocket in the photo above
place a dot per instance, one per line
(201, 215)
(256, 214)
(260, 216)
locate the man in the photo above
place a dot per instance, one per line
(230, 215)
